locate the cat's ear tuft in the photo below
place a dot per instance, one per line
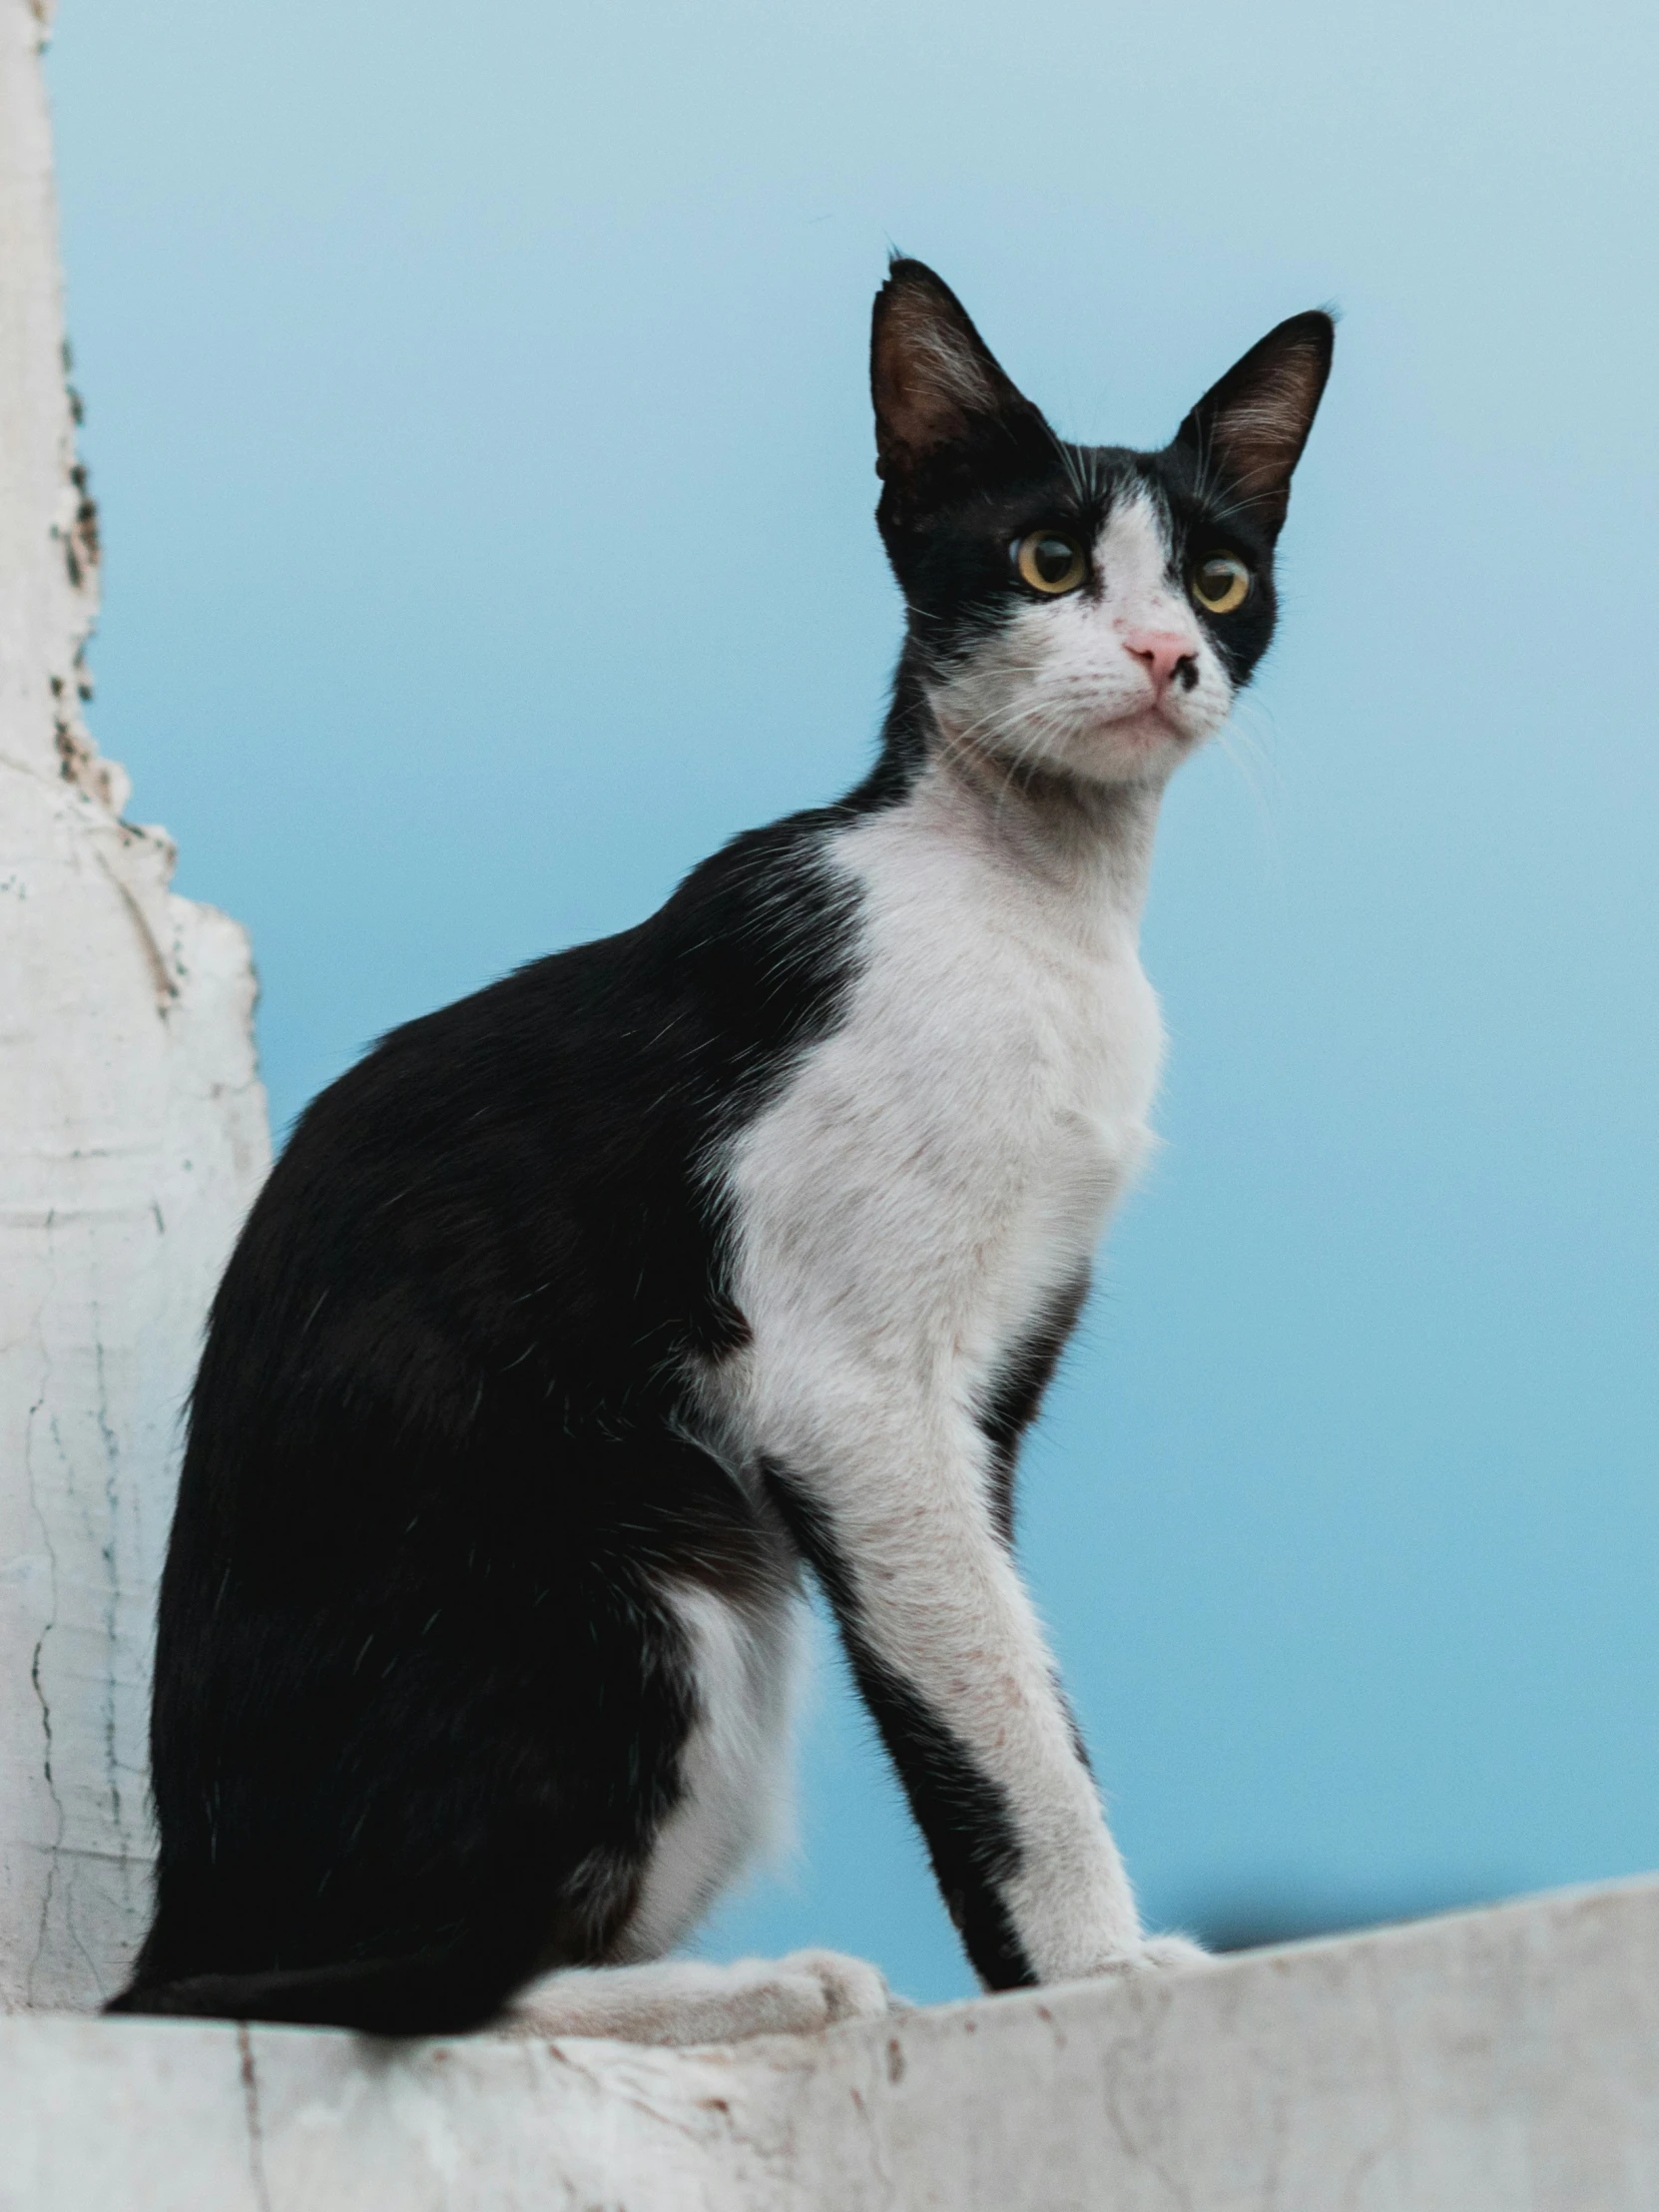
(1250, 427)
(936, 384)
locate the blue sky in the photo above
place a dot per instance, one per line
(478, 413)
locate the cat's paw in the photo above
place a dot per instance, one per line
(692, 2000)
(1159, 1955)
(853, 1988)
(1173, 1954)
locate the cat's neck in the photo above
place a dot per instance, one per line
(1088, 843)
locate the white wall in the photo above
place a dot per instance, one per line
(133, 1136)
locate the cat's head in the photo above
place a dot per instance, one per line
(1079, 611)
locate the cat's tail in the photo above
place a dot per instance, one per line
(428, 1993)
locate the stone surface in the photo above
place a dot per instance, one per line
(133, 1136)
(1497, 2062)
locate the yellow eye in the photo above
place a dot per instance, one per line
(1049, 561)
(1220, 583)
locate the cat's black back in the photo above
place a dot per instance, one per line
(432, 1484)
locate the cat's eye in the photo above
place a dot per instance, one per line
(1221, 583)
(1049, 561)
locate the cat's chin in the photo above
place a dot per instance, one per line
(1135, 747)
(1136, 752)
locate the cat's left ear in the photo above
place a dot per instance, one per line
(1253, 424)
(947, 412)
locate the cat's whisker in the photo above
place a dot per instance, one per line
(1245, 755)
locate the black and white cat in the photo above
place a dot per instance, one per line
(580, 1317)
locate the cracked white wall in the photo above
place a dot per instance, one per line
(1497, 2061)
(133, 1135)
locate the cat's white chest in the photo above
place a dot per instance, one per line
(941, 1167)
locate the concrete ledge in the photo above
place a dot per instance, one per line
(1505, 2059)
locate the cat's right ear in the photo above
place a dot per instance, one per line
(942, 401)
(1253, 424)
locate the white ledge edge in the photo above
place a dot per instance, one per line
(1501, 2060)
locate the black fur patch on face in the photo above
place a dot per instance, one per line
(1204, 521)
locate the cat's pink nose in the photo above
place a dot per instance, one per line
(1166, 656)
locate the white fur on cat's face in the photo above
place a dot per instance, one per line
(1067, 685)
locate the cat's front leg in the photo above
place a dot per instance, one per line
(948, 1655)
